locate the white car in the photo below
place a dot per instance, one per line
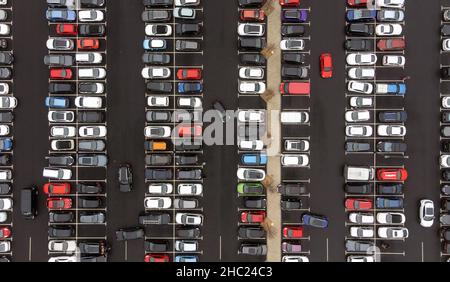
(253, 145)
(361, 59)
(62, 246)
(250, 174)
(184, 13)
(63, 259)
(355, 258)
(186, 246)
(88, 58)
(361, 102)
(155, 72)
(294, 259)
(251, 116)
(57, 173)
(300, 160)
(189, 102)
(360, 87)
(361, 73)
(5, 29)
(358, 130)
(393, 60)
(158, 101)
(391, 130)
(5, 204)
(90, 16)
(296, 145)
(88, 102)
(8, 102)
(5, 174)
(188, 218)
(393, 232)
(4, 88)
(251, 73)
(92, 73)
(157, 202)
(4, 130)
(61, 44)
(251, 29)
(390, 3)
(63, 131)
(426, 213)
(160, 188)
(445, 160)
(192, 189)
(252, 87)
(446, 102)
(158, 30)
(446, 44)
(357, 116)
(92, 131)
(187, 2)
(388, 29)
(361, 232)
(361, 218)
(390, 218)
(5, 246)
(292, 44)
(291, 117)
(3, 216)
(157, 131)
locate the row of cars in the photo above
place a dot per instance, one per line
(7, 104)
(173, 131)
(77, 120)
(374, 196)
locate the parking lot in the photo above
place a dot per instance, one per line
(124, 109)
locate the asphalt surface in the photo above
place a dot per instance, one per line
(126, 116)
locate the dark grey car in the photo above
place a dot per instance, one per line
(154, 218)
(158, 116)
(254, 203)
(187, 45)
(58, 60)
(91, 145)
(358, 246)
(188, 174)
(292, 189)
(158, 159)
(155, 58)
(60, 217)
(6, 58)
(294, 72)
(5, 73)
(92, 218)
(357, 146)
(60, 160)
(253, 249)
(185, 203)
(247, 232)
(156, 16)
(92, 160)
(188, 232)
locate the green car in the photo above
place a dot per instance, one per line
(250, 189)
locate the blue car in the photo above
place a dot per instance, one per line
(396, 89)
(154, 44)
(389, 203)
(294, 16)
(361, 15)
(57, 102)
(254, 159)
(186, 259)
(315, 220)
(61, 15)
(6, 144)
(190, 87)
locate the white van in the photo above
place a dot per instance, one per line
(57, 173)
(294, 117)
(358, 173)
(5, 174)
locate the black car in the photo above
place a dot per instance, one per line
(390, 188)
(445, 205)
(184, 146)
(251, 3)
(89, 202)
(5, 188)
(251, 44)
(59, 88)
(157, 3)
(445, 189)
(90, 116)
(446, 175)
(445, 117)
(187, 45)
(6, 58)
(59, 60)
(125, 177)
(60, 217)
(158, 116)
(292, 30)
(60, 231)
(3, 44)
(359, 45)
(189, 174)
(5, 73)
(93, 248)
(294, 58)
(5, 159)
(392, 116)
(89, 188)
(159, 87)
(292, 189)
(445, 72)
(158, 159)
(359, 146)
(131, 233)
(356, 188)
(252, 59)
(250, 232)
(89, 88)
(156, 16)
(254, 203)
(154, 218)
(360, 29)
(445, 30)
(291, 204)
(156, 246)
(445, 233)
(60, 160)
(6, 117)
(190, 233)
(158, 174)
(293, 72)
(188, 159)
(392, 146)
(91, 30)
(155, 58)
(187, 29)
(92, 3)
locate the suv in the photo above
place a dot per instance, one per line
(125, 177)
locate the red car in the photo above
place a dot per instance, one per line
(290, 3)
(291, 232)
(358, 204)
(189, 74)
(59, 203)
(357, 3)
(326, 65)
(88, 43)
(60, 73)
(56, 188)
(295, 88)
(252, 15)
(392, 174)
(392, 44)
(156, 258)
(188, 131)
(5, 232)
(253, 216)
(66, 29)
